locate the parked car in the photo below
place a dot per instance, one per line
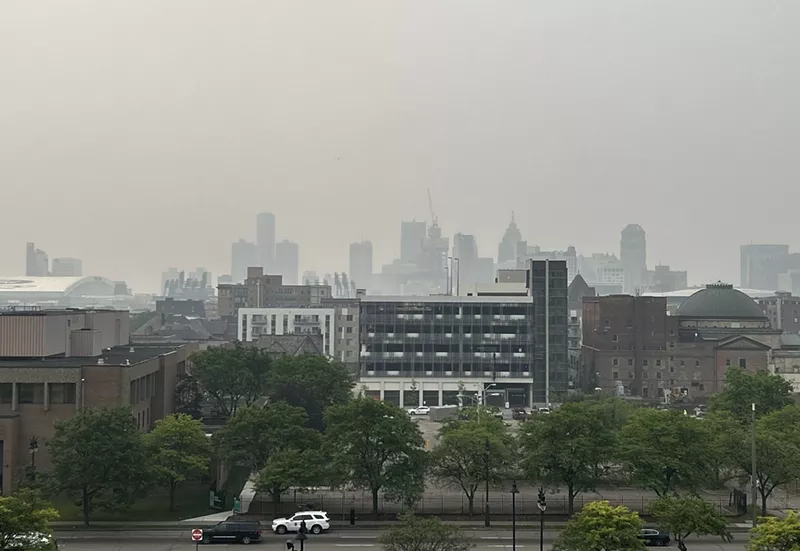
(419, 410)
(233, 531)
(316, 522)
(519, 414)
(543, 411)
(654, 537)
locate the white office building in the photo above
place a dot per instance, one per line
(255, 322)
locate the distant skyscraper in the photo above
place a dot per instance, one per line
(465, 249)
(507, 250)
(67, 267)
(243, 255)
(36, 262)
(633, 256)
(412, 240)
(265, 240)
(761, 265)
(361, 264)
(287, 261)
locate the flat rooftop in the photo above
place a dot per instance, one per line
(450, 298)
(28, 311)
(116, 356)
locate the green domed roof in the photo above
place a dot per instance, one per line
(720, 301)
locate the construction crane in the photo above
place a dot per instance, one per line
(434, 220)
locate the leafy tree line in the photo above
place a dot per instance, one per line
(101, 460)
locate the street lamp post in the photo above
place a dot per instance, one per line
(514, 492)
(486, 465)
(541, 503)
(33, 447)
(753, 466)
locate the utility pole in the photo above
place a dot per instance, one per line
(486, 508)
(754, 490)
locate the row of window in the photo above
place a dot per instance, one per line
(143, 388)
(33, 393)
(645, 363)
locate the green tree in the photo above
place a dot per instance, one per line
(100, 459)
(253, 434)
(568, 446)
(311, 382)
(666, 451)
(232, 376)
(188, 396)
(777, 451)
(424, 534)
(599, 526)
(375, 446)
(684, 516)
(468, 453)
(179, 450)
(24, 513)
(742, 389)
(292, 468)
(776, 534)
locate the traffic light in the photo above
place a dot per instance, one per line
(541, 502)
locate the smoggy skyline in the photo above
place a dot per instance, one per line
(142, 135)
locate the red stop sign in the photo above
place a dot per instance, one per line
(197, 534)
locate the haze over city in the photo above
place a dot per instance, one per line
(142, 135)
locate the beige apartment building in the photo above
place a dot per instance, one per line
(53, 363)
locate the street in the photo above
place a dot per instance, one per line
(366, 540)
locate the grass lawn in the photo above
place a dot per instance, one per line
(191, 500)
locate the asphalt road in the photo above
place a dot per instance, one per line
(363, 541)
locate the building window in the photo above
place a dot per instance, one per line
(349, 330)
(644, 363)
(658, 363)
(615, 374)
(615, 337)
(630, 374)
(672, 369)
(6, 393)
(697, 363)
(644, 392)
(683, 363)
(743, 363)
(614, 361)
(658, 375)
(630, 361)
(671, 344)
(644, 374)
(702, 387)
(62, 393)
(728, 362)
(350, 317)
(31, 393)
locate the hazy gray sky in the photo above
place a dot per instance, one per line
(142, 134)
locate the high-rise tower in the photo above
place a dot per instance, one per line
(633, 256)
(361, 264)
(265, 240)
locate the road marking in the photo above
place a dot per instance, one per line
(504, 546)
(495, 537)
(359, 537)
(354, 544)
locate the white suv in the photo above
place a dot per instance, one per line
(316, 522)
(419, 410)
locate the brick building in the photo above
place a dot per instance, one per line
(53, 363)
(632, 347)
(783, 311)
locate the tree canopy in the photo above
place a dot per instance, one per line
(469, 452)
(601, 526)
(311, 382)
(253, 434)
(179, 450)
(768, 391)
(375, 446)
(666, 451)
(232, 376)
(188, 396)
(424, 534)
(687, 515)
(292, 468)
(776, 534)
(569, 446)
(99, 459)
(23, 513)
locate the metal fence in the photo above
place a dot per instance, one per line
(446, 504)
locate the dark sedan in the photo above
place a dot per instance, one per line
(654, 537)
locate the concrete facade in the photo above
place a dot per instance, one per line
(256, 322)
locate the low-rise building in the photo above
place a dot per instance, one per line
(257, 322)
(54, 363)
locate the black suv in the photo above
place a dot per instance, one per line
(230, 531)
